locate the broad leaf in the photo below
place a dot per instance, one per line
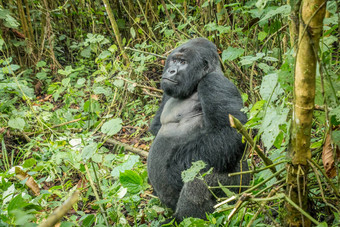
(112, 126)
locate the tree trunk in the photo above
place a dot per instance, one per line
(310, 29)
(294, 22)
(115, 29)
(219, 10)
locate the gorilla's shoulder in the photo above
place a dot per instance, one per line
(216, 80)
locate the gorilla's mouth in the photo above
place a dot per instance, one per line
(170, 80)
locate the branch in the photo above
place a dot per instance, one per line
(144, 52)
(235, 123)
(139, 85)
(301, 210)
(128, 147)
(61, 211)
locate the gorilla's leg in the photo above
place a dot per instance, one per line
(194, 201)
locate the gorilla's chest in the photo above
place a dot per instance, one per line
(181, 117)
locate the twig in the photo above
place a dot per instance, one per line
(243, 198)
(139, 85)
(128, 147)
(96, 193)
(144, 52)
(320, 186)
(66, 123)
(336, 191)
(61, 211)
(170, 20)
(235, 123)
(273, 191)
(265, 181)
(256, 170)
(253, 188)
(301, 210)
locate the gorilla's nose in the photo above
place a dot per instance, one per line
(172, 71)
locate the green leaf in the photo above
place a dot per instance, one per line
(105, 54)
(322, 224)
(10, 22)
(81, 81)
(194, 222)
(261, 4)
(29, 163)
(131, 180)
(127, 165)
(41, 75)
(67, 224)
(10, 69)
(119, 83)
(41, 64)
(97, 158)
(2, 42)
(89, 151)
(101, 90)
(86, 53)
(16, 203)
(247, 60)
(132, 32)
(88, 221)
(68, 70)
(191, 173)
(279, 139)
(231, 54)
(336, 137)
(261, 35)
(17, 123)
(205, 4)
(113, 48)
(112, 126)
(270, 125)
(284, 10)
(270, 88)
(66, 82)
(336, 113)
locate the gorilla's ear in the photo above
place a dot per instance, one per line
(206, 65)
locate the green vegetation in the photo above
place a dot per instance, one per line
(79, 83)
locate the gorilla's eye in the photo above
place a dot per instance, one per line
(182, 62)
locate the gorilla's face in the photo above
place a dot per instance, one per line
(186, 66)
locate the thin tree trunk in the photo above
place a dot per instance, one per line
(221, 15)
(294, 22)
(170, 20)
(29, 24)
(115, 29)
(310, 29)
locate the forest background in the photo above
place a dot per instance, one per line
(79, 83)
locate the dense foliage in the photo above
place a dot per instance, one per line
(74, 111)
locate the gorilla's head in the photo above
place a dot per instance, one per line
(187, 65)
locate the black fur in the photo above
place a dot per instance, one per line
(192, 124)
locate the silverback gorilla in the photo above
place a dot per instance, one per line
(192, 124)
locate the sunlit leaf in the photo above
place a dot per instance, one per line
(231, 53)
(191, 173)
(89, 151)
(131, 180)
(112, 126)
(17, 123)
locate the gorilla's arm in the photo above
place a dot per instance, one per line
(156, 122)
(219, 97)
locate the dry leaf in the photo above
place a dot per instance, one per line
(327, 157)
(30, 182)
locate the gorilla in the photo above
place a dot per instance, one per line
(192, 124)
